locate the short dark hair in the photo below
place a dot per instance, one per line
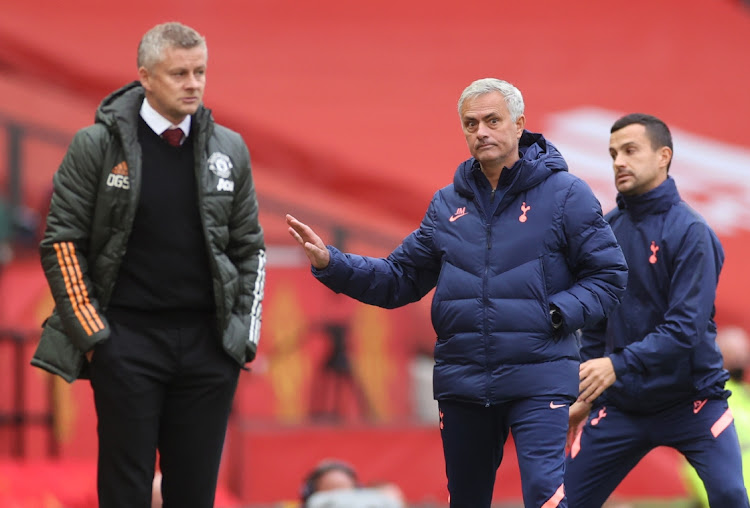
(310, 485)
(656, 130)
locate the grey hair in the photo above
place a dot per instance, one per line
(167, 35)
(510, 93)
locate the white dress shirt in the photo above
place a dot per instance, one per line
(159, 124)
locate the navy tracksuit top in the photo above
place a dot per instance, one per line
(661, 338)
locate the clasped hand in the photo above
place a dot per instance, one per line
(595, 376)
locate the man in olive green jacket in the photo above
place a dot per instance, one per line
(156, 262)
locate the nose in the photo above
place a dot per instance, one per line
(482, 130)
(194, 81)
(619, 160)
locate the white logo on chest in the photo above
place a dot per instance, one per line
(225, 185)
(220, 164)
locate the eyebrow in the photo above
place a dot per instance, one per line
(623, 145)
(485, 117)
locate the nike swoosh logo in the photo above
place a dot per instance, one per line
(552, 405)
(452, 218)
(697, 406)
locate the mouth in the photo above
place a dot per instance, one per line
(622, 177)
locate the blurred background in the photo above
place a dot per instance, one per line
(349, 111)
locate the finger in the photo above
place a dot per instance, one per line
(585, 384)
(593, 392)
(298, 226)
(592, 397)
(295, 235)
(586, 393)
(303, 230)
(584, 370)
(310, 237)
(583, 397)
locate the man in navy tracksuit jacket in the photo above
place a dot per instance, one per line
(656, 354)
(521, 258)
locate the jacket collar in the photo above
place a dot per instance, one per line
(653, 202)
(539, 159)
(506, 177)
(120, 110)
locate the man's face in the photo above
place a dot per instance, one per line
(638, 166)
(490, 133)
(174, 85)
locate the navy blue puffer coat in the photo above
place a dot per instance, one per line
(498, 260)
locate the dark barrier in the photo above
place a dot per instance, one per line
(15, 415)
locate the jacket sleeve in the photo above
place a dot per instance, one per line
(64, 247)
(595, 259)
(246, 250)
(690, 308)
(593, 341)
(405, 276)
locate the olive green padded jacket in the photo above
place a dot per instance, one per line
(94, 202)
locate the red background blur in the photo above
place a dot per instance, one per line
(349, 110)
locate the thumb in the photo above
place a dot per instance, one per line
(313, 253)
(317, 256)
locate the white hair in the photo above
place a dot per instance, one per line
(510, 93)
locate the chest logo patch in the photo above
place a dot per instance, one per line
(524, 209)
(460, 212)
(654, 249)
(118, 177)
(220, 164)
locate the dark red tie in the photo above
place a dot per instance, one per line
(173, 136)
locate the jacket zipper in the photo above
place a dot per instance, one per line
(486, 338)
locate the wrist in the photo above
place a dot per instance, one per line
(555, 316)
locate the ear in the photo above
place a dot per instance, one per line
(665, 157)
(144, 77)
(520, 125)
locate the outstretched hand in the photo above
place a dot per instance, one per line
(315, 248)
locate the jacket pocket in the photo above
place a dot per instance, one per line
(236, 341)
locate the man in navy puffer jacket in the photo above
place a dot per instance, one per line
(522, 258)
(656, 354)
